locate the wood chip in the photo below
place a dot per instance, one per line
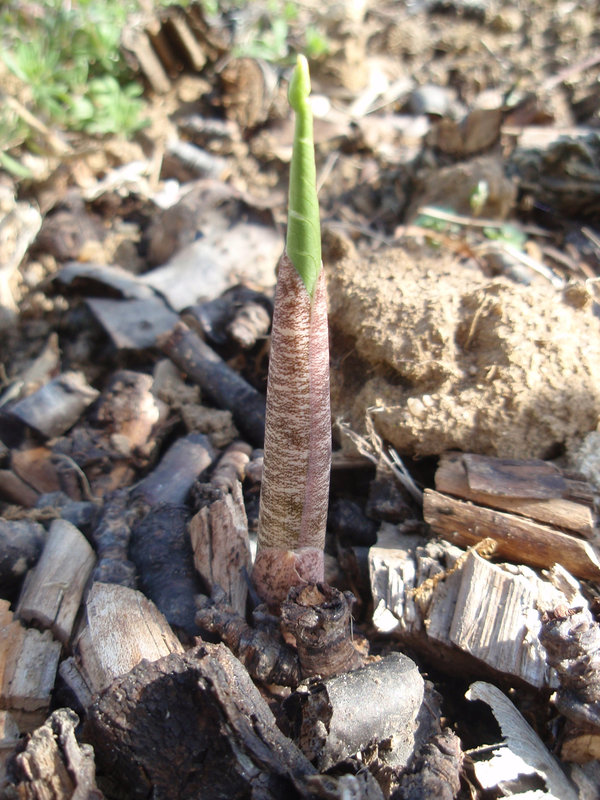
(518, 539)
(120, 628)
(52, 590)
(28, 664)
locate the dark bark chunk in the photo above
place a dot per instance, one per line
(319, 617)
(435, 771)
(340, 716)
(264, 655)
(162, 553)
(21, 543)
(194, 726)
(225, 387)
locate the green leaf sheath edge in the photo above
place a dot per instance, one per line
(303, 242)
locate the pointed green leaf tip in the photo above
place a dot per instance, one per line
(303, 243)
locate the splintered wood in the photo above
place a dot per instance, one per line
(527, 507)
(461, 610)
(28, 664)
(120, 627)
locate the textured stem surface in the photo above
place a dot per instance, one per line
(295, 487)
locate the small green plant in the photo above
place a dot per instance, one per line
(297, 453)
(68, 60)
(275, 32)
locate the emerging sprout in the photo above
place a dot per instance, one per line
(295, 487)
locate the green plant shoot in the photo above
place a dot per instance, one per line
(303, 242)
(297, 461)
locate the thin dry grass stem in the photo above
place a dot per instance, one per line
(373, 448)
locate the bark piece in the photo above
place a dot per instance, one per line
(53, 589)
(28, 664)
(136, 42)
(161, 551)
(240, 314)
(53, 764)
(9, 738)
(361, 786)
(342, 715)
(518, 539)
(132, 324)
(529, 754)
(249, 88)
(57, 406)
(179, 32)
(117, 439)
(160, 545)
(172, 479)
(264, 654)
(232, 466)
(34, 466)
(319, 617)
(194, 725)
(531, 488)
(119, 629)
(572, 640)
(225, 387)
(219, 538)
(111, 538)
(21, 543)
(15, 490)
(103, 279)
(435, 770)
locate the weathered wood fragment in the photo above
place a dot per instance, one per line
(435, 770)
(54, 765)
(119, 628)
(15, 490)
(225, 387)
(111, 538)
(194, 725)
(263, 652)
(9, 739)
(171, 480)
(132, 324)
(21, 543)
(175, 24)
(462, 612)
(103, 279)
(334, 718)
(57, 406)
(492, 619)
(28, 664)
(533, 489)
(34, 466)
(161, 551)
(219, 538)
(572, 640)
(53, 589)
(319, 617)
(521, 755)
(136, 42)
(518, 539)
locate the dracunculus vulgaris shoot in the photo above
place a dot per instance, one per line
(297, 451)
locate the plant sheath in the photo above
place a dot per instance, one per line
(297, 460)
